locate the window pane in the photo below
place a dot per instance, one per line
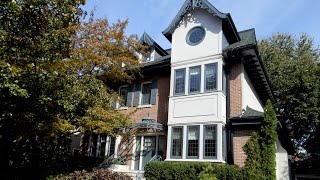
(146, 93)
(195, 79)
(179, 81)
(210, 140)
(193, 141)
(123, 96)
(211, 76)
(176, 142)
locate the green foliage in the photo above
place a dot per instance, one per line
(293, 66)
(191, 170)
(253, 161)
(173, 170)
(98, 174)
(221, 171)
(50, 84)
(261, 148)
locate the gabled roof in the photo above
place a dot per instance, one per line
(146, 39)
(228, 26)
(247, 37)
(246, 51)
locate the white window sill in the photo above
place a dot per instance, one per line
(145, 106)
(197, 160)
(122, 108)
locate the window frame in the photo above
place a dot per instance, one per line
(181, 142)
(141, 93)
(205, 77)
(125, 102)
(175, 82)
(189, 87)
(191, 31)
(216, 142)
(187, 142)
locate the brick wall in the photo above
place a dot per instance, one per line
(235, 90)
(159, 112)
(240, 137)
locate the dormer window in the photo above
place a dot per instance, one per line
(196, 35)
(146, 57)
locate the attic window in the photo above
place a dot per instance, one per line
(195, 35)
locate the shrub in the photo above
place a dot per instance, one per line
(173, 170)
(261, 148)
(191, 170)
(221, 171)
(97, 174)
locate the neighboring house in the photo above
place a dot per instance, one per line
(199, 100)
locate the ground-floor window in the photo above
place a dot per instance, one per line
(193, 142)
(176, 142)
(210, 141)
(101, 145)
(199, 141)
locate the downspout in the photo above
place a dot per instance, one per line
(229, 132)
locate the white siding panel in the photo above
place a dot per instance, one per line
(249, 95)
(195, 107)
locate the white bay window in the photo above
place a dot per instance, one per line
(201, 142)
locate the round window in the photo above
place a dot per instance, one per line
(195, 35)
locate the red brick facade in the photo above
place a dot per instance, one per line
(159, 112)
(240, 137)
(235, 90)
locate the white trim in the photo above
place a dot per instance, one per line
(140, 97)
(184, 157)
(200, 60)
(134, 151)
(197, 160)
(118, 104)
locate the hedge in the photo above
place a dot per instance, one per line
(97, 174)
(191, 171)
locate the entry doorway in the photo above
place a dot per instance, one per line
(147, 148)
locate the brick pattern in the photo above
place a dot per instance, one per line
(240, 137)
(159, 112)
(235, 90)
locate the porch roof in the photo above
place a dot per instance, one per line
(148, 123)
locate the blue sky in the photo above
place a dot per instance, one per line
(266, 16)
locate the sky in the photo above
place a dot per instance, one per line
(266, 16)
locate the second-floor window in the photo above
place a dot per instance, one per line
(179, 81)
(146, 94)
(210, 77)
(123, 96)
(194, 79)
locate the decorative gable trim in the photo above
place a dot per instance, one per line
(228, 24)
(146, 39)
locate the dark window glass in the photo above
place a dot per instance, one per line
(195, 35)
(179, 81)
(176, 142)
(123, 96)
(146, 93)
(193, 142)
(224, 81)
(210, 140)
(195, 79)
(211, 77)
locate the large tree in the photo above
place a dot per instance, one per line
(292, 64)
(54, 71)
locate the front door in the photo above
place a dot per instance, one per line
(149, 149)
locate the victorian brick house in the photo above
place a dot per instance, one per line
(199, 100)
